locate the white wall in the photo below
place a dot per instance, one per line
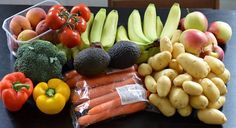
(224, 4)
(64, 2)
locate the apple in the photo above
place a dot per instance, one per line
(217, 52)
(19, 23)
(194, 41)
(26, 35)
(41, 27)
(196, 20)
(35, 15)
(181, 24)
(211, 38)
(221, 30)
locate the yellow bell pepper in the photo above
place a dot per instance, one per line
(51, 97)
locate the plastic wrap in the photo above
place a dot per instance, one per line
(113, 94)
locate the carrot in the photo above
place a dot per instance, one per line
(105, 106)
(101, 79)
(122, 110)
(107, 79)
(98, 100)
(70, 74)
(105, 89)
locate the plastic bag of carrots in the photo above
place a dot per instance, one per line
(112, 94)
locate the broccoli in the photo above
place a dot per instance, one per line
(40, 61)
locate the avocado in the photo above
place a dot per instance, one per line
(91, 61)
(124, 54)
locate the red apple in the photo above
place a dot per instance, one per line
(217, 52)
(194, 41)
(196, 20)
(211, 38)
(181, 24)
(221, 30)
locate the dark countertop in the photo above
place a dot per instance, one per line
(31, 117)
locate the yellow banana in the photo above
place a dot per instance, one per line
(121, 34)
(172, 21)
(176, 36)
(109, 29)
(97, 27)
(135, 31)
(159, 27)
(149, 23)
(85, 35)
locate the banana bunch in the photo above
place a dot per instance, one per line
(101, 28)
(152, 29)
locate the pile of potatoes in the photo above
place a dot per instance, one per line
(179, 82)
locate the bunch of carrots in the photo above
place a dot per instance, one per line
(98, 95)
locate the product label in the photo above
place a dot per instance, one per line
(131, 93)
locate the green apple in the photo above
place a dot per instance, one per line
(196, 20)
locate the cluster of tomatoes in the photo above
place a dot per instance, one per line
(69, 24)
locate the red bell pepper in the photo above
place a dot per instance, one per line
(15, 90)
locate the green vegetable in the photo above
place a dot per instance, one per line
(40, 61)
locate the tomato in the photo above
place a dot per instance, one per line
(70, 38)
(78, 23)
(81, 10)
(56, 17)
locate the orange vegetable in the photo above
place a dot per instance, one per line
(102, 79)
(99, 100)
(70, 74)
(122, 110)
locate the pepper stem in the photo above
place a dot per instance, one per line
(18, 86)
(50, 92)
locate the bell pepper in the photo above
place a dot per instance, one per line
(51, 97)
(15, 90)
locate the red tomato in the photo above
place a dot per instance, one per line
(56, 17)
(81, 10)
(78, 23)
(69, 38)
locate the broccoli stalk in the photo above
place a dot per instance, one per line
(40, 61)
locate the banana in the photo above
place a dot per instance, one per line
(159, 27)
(109, 29)
(121, 34)
(97, 27)
(149, 23)
(172, 21)
(135, 28)
(85, 35)
(176, 36)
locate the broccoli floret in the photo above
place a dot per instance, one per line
(40, 61)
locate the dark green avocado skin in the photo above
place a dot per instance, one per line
(124, 54)
(91, 61)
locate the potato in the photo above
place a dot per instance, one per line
(199, 102)
(210, 90)
(225, 76)
(220, 85)
(173, 64)
(186, 111)
(163, 104)
(150, 84)
(144, 69)
(193, 65)
(160, 60)
(163, 86)
(176, 35)
(178, 98)
(178, 48)
(215, 64)
(192, 88)
(178, 81)
(211, 116)
(218, 104)
(171, 73)
(150, 60)
(165, 44)
(211, 75)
